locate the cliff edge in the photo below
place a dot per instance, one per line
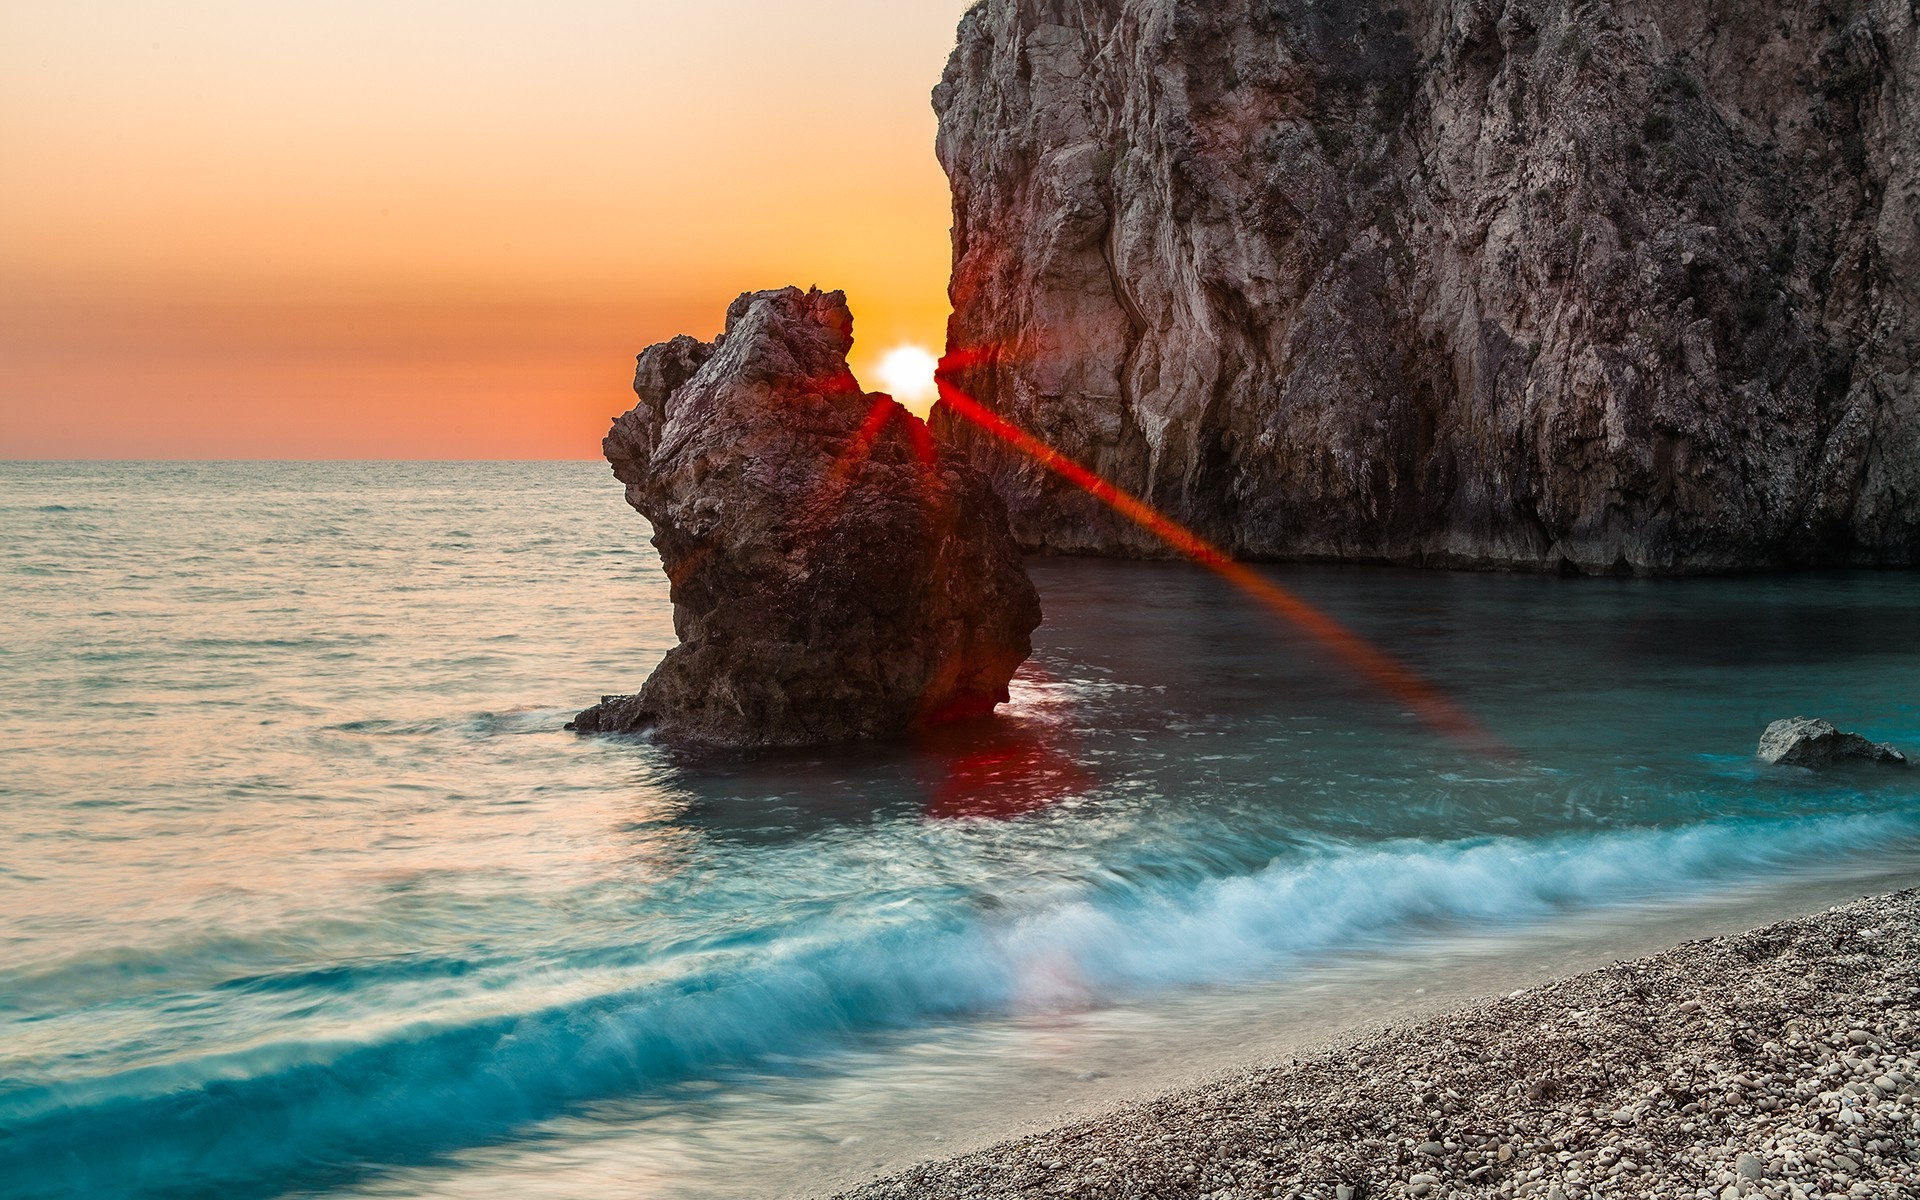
(1616, 286)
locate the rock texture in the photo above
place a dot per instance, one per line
(1810, 742)
(1612, 286)
(835, 574)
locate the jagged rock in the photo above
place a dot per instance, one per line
(1810, 742)
(835, 574)
(1622, 286)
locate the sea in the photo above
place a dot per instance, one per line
(305, 891)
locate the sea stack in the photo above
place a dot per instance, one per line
(1630, 286)
(835, 574)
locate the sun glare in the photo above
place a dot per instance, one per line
(907, 374)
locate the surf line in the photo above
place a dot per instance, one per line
(1348, 647)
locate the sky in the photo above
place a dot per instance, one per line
(438, 228)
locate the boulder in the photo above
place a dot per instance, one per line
(835, 573)
(1811, 742)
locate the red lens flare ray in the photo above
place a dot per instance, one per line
(1005, 772)
(924, 452)
(860, 446)
(1003, 769)
(1347, 647)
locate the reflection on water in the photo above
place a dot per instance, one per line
(303, 888)
(1008, 771)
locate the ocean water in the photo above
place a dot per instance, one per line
(304, 890)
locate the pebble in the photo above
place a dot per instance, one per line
(1766, 1066)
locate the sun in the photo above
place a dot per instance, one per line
(907, 374)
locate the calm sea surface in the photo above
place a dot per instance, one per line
(304, 891)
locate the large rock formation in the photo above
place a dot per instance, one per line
(1624, 285)
(835, 575)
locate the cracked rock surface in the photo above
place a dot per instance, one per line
(835, 573)
(1780, 1064)
(1628, 286)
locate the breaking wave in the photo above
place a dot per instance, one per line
(258, 1120)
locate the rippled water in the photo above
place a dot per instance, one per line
(303, 889)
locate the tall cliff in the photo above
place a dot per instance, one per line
(1608, 285)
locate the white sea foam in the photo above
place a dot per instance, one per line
(269, 1108)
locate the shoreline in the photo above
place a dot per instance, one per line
(1663, 1076)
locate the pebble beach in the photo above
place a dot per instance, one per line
(1782, 1063)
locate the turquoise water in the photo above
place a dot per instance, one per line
(303, 889)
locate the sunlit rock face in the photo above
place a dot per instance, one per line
(1616, 286)
(835, 574)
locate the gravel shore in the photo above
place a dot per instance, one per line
(1781, 1063)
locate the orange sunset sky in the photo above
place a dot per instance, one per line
(437, 228)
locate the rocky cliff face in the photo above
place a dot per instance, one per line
(835, 574)
(1609, 286)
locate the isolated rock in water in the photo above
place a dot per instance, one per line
(1621, 286)
(835, 574)
(1810, 742)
